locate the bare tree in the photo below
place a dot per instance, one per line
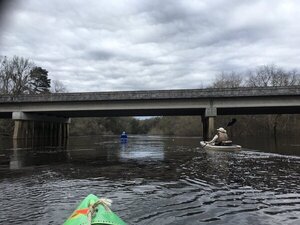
(5, 75)
(15, 74)
(262, 76)
(228, 80)
(272, 76)
(20, 76)
(58, 87)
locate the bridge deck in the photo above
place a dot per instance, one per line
(157, 94)
(260, 100)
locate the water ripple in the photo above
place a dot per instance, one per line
(184, 185)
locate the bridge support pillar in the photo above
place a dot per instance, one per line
(50, 128)
(208, 121)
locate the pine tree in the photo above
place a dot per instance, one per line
(39, 81)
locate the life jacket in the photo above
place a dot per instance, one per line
(221, 137)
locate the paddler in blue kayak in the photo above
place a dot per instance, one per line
(123, 137)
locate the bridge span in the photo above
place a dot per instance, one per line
(208, 103)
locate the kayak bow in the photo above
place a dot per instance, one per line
(93, 210)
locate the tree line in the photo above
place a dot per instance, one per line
(161, 125)
(262, 76)
(19, 75)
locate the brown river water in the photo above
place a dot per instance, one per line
(152, 180)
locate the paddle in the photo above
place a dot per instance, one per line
(233, 121)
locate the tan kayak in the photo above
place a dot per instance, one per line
(232, 147)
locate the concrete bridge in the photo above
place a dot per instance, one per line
(49, 114)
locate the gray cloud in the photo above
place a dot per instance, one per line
(100, 55)
(99, 45)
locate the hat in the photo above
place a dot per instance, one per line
(221, 129)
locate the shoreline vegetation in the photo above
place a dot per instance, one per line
(185, 126)
(20, 76)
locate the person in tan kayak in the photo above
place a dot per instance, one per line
(220, 138)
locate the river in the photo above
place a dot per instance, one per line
(152, 180)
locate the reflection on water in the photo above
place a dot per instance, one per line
(152, 180)
(27, 152)
(141, 151)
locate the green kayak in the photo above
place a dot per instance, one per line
(93, 210)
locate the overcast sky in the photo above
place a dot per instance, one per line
(100, 45)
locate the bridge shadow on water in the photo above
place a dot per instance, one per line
(22, 153)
